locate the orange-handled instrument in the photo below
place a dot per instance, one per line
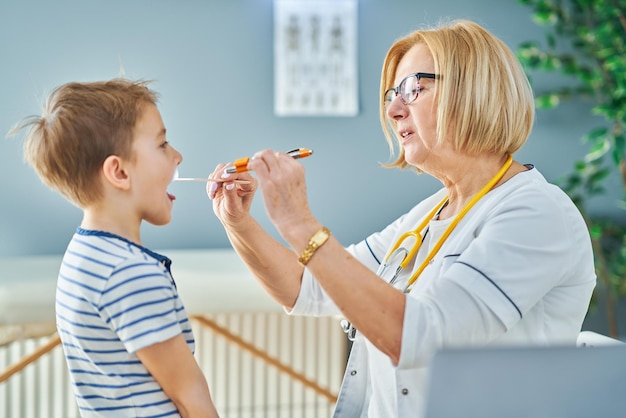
(241, 165)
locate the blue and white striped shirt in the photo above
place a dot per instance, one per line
(113, 298)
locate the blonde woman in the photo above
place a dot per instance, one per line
(497, 256)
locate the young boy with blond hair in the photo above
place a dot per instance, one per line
(126, 336)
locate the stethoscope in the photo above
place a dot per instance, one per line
(398, 250)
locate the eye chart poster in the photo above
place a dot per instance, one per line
(315, 58)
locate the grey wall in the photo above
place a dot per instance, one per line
(213, 65)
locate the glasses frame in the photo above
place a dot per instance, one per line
(396, 90)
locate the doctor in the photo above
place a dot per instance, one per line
(497, 256)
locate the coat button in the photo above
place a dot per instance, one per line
(353, 372)
(405, 391)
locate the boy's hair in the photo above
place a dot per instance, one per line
(81, 125)
(483, 97)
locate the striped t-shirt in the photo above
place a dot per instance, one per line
(113, 298)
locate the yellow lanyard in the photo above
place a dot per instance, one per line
(451, 227)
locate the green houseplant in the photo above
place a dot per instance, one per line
(585, 43)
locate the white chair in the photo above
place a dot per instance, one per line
(594, 339)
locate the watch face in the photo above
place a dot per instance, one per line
(317, 240)
(320, 237)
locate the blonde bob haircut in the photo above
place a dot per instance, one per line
(483, 97)
(80, 126)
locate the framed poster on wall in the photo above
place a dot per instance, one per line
(315, 58)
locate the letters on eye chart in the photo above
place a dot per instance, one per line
(315, 62)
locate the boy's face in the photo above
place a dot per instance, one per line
(153, 166)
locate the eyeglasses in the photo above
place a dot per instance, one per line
(408, 89)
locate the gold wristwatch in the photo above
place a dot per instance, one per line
(317, 240)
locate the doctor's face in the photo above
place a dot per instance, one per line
(416, 122)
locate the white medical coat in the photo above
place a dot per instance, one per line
(518, 269)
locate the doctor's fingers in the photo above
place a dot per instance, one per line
(284, 191)
(232, 205)
(276, 167)
(213, 187)
(263, 162)
(228, 181)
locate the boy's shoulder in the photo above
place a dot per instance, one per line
(98, 265)
(111, 251)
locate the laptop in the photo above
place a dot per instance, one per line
(530, 382)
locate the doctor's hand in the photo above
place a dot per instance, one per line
(231, 201)
(283, 186)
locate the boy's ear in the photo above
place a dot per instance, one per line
(114, 172)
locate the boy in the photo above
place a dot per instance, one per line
(126, 336)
